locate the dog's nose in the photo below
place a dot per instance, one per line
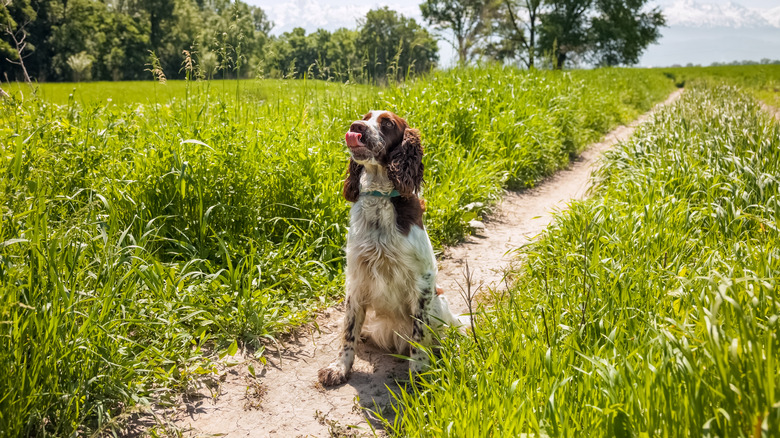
(358, 127)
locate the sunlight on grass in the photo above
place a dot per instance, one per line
(649, 310)
(142, 238)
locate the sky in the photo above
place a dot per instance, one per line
(697, 32)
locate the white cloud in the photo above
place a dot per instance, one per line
(690, 13)
(327, 14)
(773, 16)
(746, 29)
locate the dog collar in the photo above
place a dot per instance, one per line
(379, 194)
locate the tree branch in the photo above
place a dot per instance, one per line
(512, 18)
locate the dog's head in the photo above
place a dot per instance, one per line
(382, 138)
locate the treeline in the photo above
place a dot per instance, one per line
(764, 61)
(60, 40)
(386, 45)
(63, 40)
(547, 33)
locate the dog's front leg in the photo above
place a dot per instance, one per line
(337, 372)
(421, 333)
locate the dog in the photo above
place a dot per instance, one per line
(391, 269)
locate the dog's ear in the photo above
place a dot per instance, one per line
(405, 166)
(352, 182)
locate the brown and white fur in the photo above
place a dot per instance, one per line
(391, 268)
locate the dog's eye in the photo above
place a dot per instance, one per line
(387, 124)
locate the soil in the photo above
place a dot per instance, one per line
(775, 111)
(284, 399)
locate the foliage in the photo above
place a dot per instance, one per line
(508, 39)
(113, 41)
(650, 309)
(81, 65)
(466, 19)
(386, 46)
(142, 236)
(119, 35)
(394, 46)
(606, 32)
(322, 55)
(15, 19)
(13, 15)
(226, 39)
(622, 31)
(602, 32)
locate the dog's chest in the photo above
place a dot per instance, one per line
(373, 224)
(376, 247)
(385, 266)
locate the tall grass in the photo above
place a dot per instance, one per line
(484, 129)
(142, 238)
(763, 81)
(650, 309)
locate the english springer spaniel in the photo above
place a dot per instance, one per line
(391, 269)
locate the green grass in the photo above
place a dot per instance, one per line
(142, 239)
(152, 92)
(763, 81)
(651, 309)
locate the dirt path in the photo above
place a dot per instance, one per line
(285, 400)
(775, 111)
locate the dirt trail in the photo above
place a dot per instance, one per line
(285, 400)
(523, 215)
(774, 111)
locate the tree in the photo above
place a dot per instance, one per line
(509, 40)
(15, 17)
(394, 46)
(323, 54)
(466, 19)
(611, 32)
(293, 53)
(116, 42)
(622, 31)
(158, 11)
(237, 34)
(344, 62)
(564, 29)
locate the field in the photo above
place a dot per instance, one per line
(650, 309)
(762, 81)
(149, 229)
(145, 237)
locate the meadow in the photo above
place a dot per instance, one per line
(650, 309)
(762, 81)
(148, 229)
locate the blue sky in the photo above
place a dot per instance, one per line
(698, 31)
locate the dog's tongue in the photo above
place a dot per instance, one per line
(353, 139)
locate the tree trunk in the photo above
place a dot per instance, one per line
(20, 45)
(531, 45)
(561, 58)
(24, 69)
(155, 31)
(461, 51)
(532, 16)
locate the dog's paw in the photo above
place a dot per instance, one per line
(332, 375)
